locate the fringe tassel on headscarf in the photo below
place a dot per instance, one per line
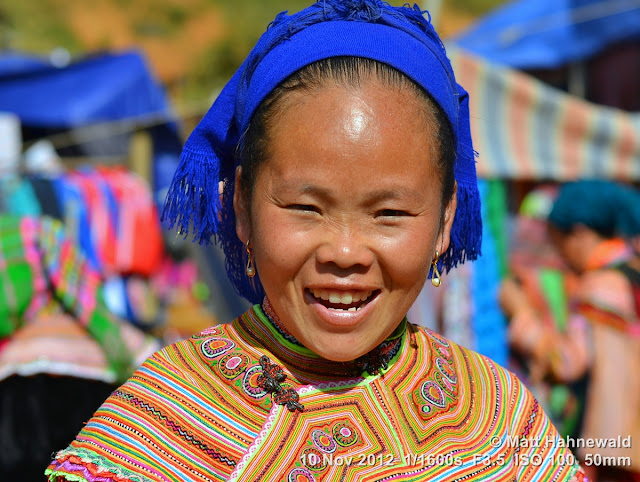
(193, 199)
(466, 233)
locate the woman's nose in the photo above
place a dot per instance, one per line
(345, 248)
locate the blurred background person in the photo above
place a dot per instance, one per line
(547, 283)
(590, 225)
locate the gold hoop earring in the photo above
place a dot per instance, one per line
(251, 269)
(436, 279)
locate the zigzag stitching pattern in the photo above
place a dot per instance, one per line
(529, 425)
(158, 415)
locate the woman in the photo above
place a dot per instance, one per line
(589, 222)
(335, 142)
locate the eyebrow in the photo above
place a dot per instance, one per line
(372, 198)
(311, 189)
(382, 195)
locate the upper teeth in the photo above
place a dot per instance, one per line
(342, 297)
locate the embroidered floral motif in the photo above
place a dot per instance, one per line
(439, 389)
(214, 347)
(314, 459)
(233, 365)
(256, 380)
(324, 445)
(344, 435)
(323, 441)
(250, 384)
(207, 333)
(300, 475)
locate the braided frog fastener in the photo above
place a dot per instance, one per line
(269, 380)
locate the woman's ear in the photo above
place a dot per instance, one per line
(241, 209)
(442, 244)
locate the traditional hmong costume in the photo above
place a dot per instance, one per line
(205, 409)
(246, 401)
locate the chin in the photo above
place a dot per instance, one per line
(339, 348)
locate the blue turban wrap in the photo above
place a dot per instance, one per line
(609, 208)
(398, 36)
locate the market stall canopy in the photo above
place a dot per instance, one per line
(100, 88)
(19, 63)
(524, 129)
(542, 34)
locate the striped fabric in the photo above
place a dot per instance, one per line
(196, 411)
(112, 214)
(138, 247)
(23, 286)
(524, 129)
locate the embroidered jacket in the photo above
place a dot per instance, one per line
(211, 408)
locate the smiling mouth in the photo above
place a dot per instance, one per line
(343, 300)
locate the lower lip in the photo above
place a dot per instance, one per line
(338, 318)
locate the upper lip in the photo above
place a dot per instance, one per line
(342, 287)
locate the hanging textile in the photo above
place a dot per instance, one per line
(43, 274)
(524, 129)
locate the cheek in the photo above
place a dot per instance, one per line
(280, 255)
(568, 247)
(279, 249)
(571, 253)
(407, 258)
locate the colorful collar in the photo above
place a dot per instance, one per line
(304, 362)
(608, 253)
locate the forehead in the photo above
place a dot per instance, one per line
(369, 135)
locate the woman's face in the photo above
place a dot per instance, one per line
(575, 246)
(346, 215)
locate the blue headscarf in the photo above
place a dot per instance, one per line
(398, 36)
(609, 208)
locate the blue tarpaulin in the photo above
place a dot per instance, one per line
(101, 88)
(535, 34)
(15, 63)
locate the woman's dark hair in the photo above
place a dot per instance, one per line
(350, 72)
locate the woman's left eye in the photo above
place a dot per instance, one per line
(392, 213)
(303, 207)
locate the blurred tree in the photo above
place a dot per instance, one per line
(36, 26)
